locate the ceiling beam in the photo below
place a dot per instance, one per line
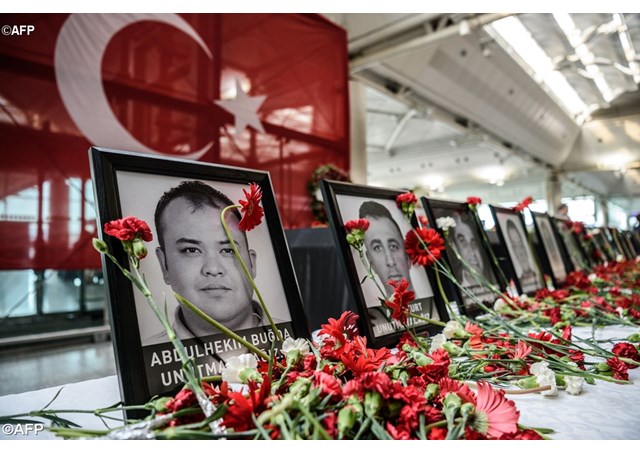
(388, 147)
(366, 60)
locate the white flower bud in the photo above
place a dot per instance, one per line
(444, 223)
(241, 364)
(451, 328)
(574, 384)
(436, 342)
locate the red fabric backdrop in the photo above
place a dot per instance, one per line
(159, 83)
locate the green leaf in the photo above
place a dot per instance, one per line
(53, 399)
(378, 430)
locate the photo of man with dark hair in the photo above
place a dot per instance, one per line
(468, 243)
(384, 249)
(198, 262)
(517, 245)
(551, 246)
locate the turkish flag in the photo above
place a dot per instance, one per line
(148, 83)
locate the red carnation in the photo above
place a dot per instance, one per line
(437, 433)
(401, 300)
(624, 349)
(360, 224)
(128, 229)
(424, 246)
(406, 198)
(423, 220)
(251, 210)
(474, 200)
(619, 368)
(577, 227)
(328, 384)
(523, 204)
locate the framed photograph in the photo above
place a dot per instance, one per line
(512, 233)
(550, 253)
(385, 251)
(467, 254)
(573, 253)
(190, 255)
(603, 251)
(613, 243)
(634, 242)
(621, 243)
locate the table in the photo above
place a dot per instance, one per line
(320, 274)
(604, 411)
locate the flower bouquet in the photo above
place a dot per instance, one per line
(450, 386)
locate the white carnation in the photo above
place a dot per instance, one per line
(500, 304)
(444, 223)
(299, 344)
(574, 384)
(436, 342)
(451, 328)
(545, 376)
(237, 365)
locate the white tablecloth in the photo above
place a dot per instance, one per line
(604, 411)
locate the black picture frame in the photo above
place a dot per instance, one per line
(472, 245)
(342, 201)
(603, 251)
(622, 243)
(574, 255)
(634, 239)
(612, 241)
(130, 184)
(550, 252)
(530, 280)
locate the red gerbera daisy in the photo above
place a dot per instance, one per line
(495, 415)
(424, 246)
(401, 300)
(251, 210)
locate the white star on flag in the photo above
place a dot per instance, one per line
(245, 109)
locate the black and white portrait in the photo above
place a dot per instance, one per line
(575, 255)
(551, 247)
(384, 249)
(192, 256)
(471, 265)
(520, 252)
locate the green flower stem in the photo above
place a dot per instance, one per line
(188, 365)
(280, 407)
(246, 270)
(313, 420)
(444, 270)
(485, 239)
(428, 320)
(367, 265)
(214, 378)
(70, 433)
(439, 424)
(444, 295)
(185, 434)
(221, 328)
(481, 279)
